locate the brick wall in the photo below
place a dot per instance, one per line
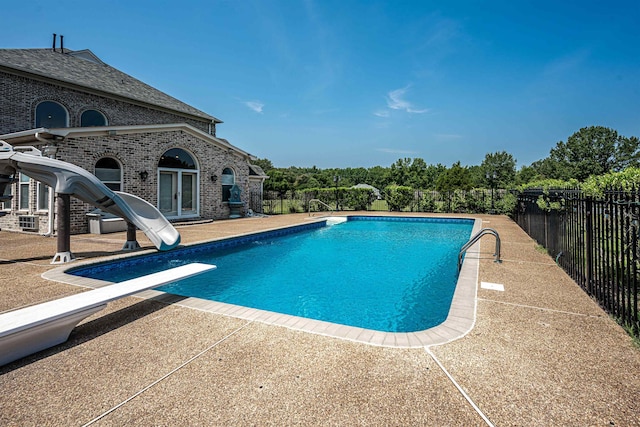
(19, 97)
(142, 152)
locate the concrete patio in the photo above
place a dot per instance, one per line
(541, 353)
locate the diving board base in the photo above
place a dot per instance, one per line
(41, 337)
(31, 329)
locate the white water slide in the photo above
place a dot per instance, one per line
(66, 178)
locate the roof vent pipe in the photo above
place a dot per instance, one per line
(54, 42)
(61, 43)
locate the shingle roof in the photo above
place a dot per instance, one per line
(81, 70)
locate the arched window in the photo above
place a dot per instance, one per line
(227, 181)
(177, 158)
(50, 114)
(92, 118)
(108, 171)
(178, 184)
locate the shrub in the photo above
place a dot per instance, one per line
(398, 197)
(357, 198)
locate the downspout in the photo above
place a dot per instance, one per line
(51, 192)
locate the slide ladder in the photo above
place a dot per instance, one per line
(477, 237)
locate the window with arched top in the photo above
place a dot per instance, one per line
(109, 171)
(227, 180)
(50, 114)
(92, 118)
(177, 158)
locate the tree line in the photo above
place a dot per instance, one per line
(591, 151)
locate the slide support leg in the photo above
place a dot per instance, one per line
(63, 205)
(131, 244)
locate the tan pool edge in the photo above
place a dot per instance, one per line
(459, 322)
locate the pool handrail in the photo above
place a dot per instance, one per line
(477, 237)
(322, 203)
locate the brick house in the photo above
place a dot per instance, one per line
(133, 137)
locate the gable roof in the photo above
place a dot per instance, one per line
(257, 171)
(58, 134)
(84, 70)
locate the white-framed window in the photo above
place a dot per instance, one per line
(44, 192)
(109, 171)
(23, 192)
(92, 118)
(6, 205)
(227, 180)
(50, 114)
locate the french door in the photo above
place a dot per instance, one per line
(178, 193)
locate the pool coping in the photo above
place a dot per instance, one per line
(459, 321)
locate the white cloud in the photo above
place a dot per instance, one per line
(255, 106)
(395, 151)
(396, 101)
(382, 113)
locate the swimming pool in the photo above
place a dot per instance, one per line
(390, 274)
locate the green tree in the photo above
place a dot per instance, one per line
(549, 169)
(400, 171)
(430, 176)
(378, 176)
(306, 181)
(526, 174)
(280, 180)
(417, 173)
(594, 150)
(455, 178)
(628, 154)
(265, 164)
(499, 170)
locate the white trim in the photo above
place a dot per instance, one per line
(126, 130)
(179, 173)
(39, 186)
(28, 195)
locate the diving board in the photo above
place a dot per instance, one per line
(38, 327)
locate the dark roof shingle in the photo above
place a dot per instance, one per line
(97, 76)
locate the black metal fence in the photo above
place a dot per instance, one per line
(473, 201)
(595, 240)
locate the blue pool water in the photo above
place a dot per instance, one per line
(381, 273)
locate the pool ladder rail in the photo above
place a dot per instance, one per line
(477, 237)
(323, 204)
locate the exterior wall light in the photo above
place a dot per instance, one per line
(143, 175)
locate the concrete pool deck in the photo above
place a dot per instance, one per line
(541, 352)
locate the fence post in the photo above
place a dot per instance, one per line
(546, 229)
(589, 243)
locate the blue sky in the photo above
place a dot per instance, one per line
(346, 83)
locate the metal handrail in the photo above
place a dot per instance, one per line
(322, 203)
(477, 237)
